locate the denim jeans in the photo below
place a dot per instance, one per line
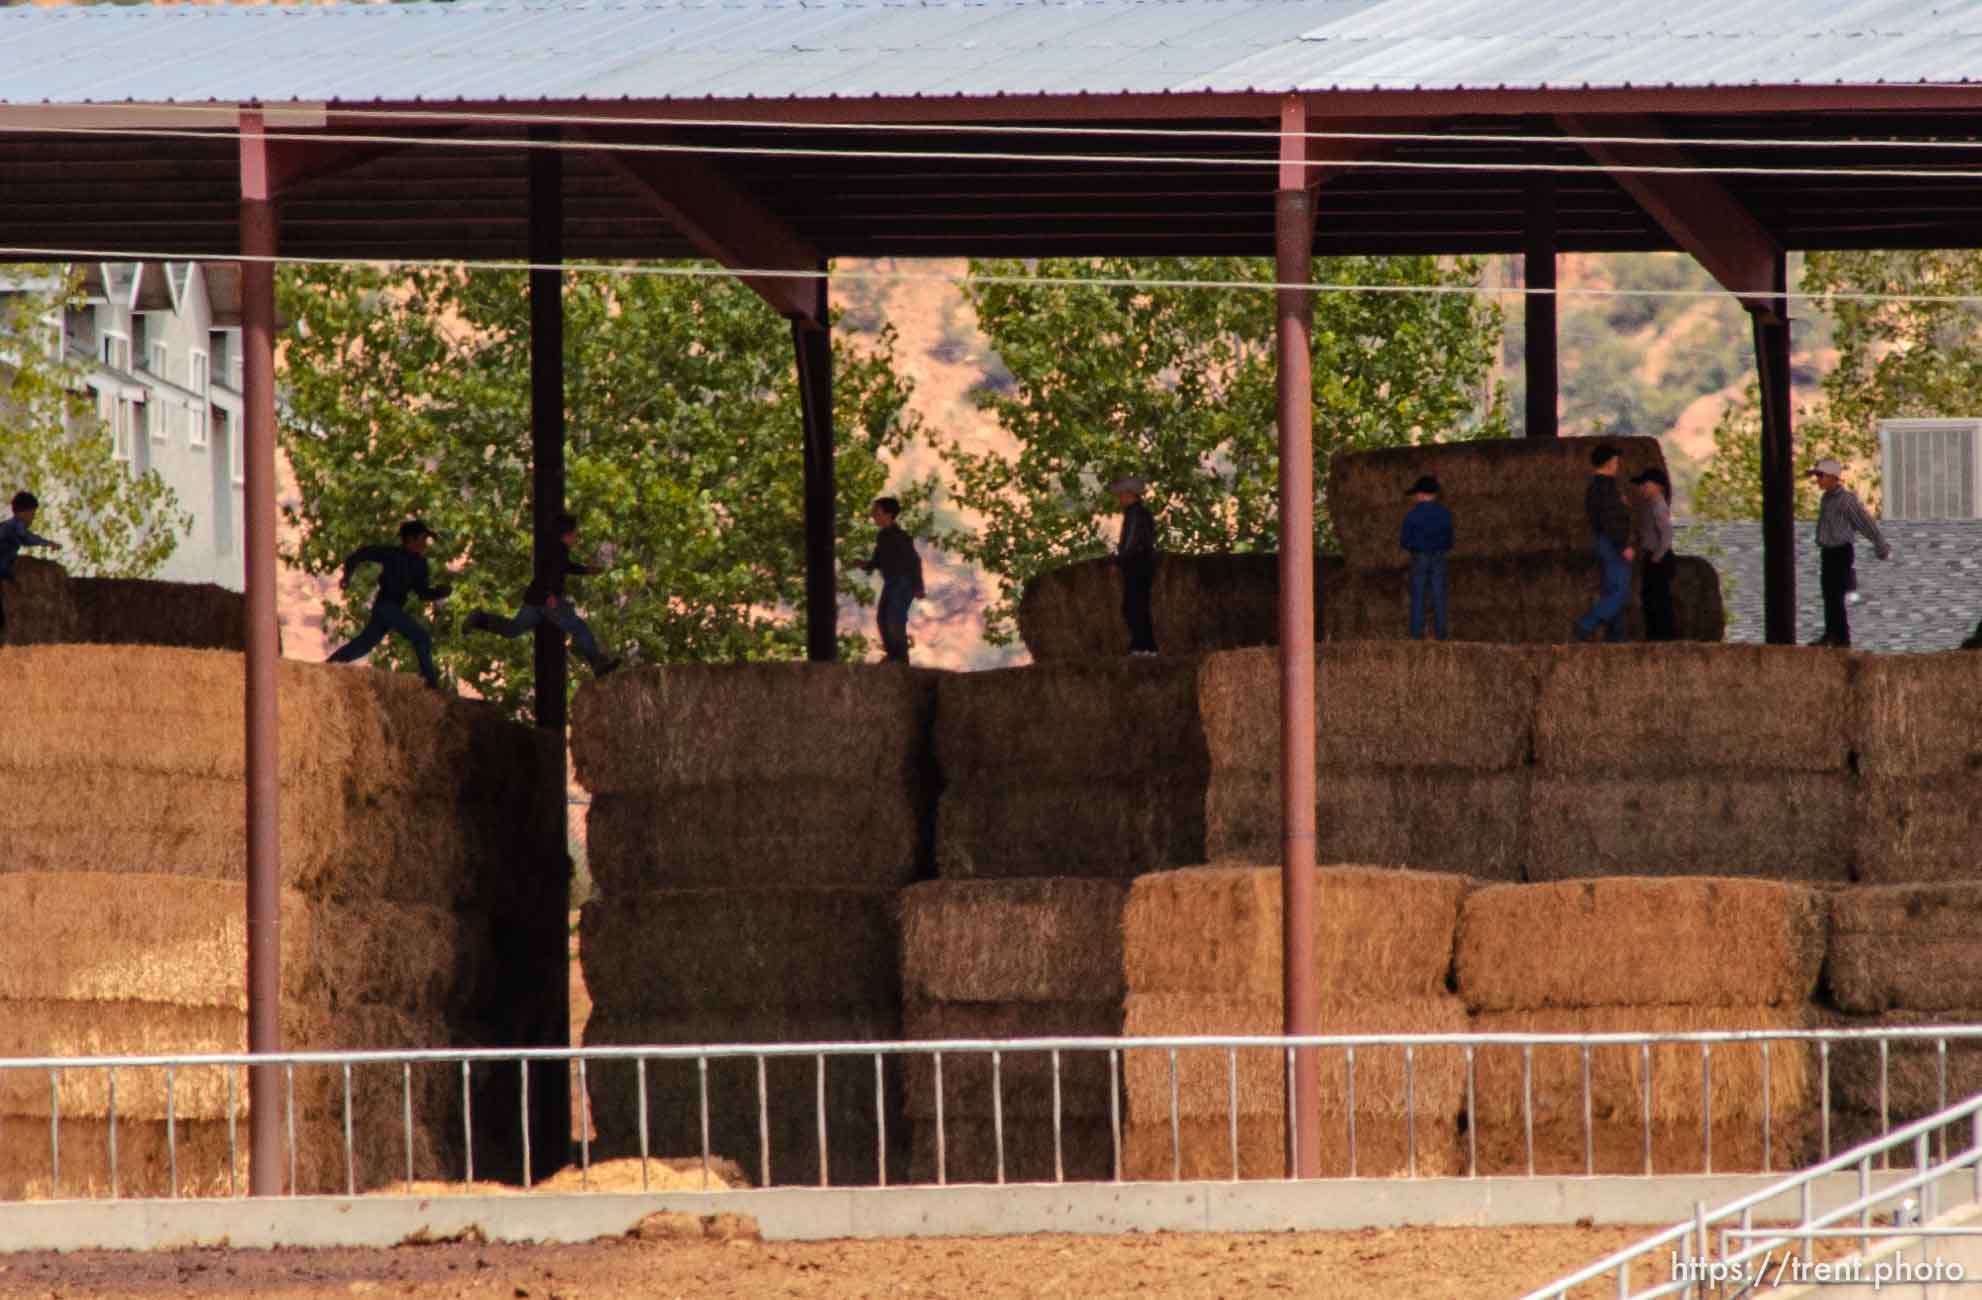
(1427, 588)
(897, 594)
(1608, 612)
(560, 616)
(392, 618)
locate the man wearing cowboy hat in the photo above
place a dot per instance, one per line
(1135, 555)
(1427, 538)
(1840, 517)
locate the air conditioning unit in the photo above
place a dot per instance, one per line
(1930, 469)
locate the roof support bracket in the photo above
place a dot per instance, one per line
(726, 224)
(1698, 212)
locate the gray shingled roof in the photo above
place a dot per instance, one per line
(683, 49)
(1927, 597)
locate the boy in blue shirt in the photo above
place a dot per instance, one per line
(16, 533)
(402, 573)
(1427, 536)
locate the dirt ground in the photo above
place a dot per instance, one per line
(675, 1256)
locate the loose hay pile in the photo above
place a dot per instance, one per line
(748, 830)
(421, 851)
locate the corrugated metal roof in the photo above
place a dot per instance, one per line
(681, 49)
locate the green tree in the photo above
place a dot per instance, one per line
(408, 393)
(1177, 385)
(1919, 356)
(111, 522)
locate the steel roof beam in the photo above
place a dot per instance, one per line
(724, 223)
(1698, 212)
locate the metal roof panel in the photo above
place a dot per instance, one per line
(682, 49)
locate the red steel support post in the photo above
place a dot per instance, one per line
(1293, 245)
(258, 505)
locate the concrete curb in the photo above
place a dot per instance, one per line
(816, 1214)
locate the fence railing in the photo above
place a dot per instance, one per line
(1747, 1257)
(329, 1076)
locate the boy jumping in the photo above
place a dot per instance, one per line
(16, 533)
(546, 602)
(402, 572)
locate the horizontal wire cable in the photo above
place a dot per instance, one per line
(710, 271)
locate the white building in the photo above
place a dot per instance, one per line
(161, 344)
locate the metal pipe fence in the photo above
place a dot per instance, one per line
(1722, 1252)
(1559, 1091)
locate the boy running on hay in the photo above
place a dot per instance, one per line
(545, 601)
(16, 533)
(901, 577)
(402, 573)
(1428, 537)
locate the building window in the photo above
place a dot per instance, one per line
(158, 356)
(154, 416)
(116, 352)
(202, 386)
(233, 446)
(122, 419)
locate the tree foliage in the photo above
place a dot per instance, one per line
(1918, 357)
(408, 394)
(112, 523)
(1177, 385)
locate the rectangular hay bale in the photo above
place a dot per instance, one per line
(1385, 1147)
(1508, 495)
(1917, 830)
(1013, 941)
(1617, 1145)
(1024, 1079)
(1379, 933)
(1640, 942)
(1777, 825)
(1917, 947)
(1389, 1082)
(970, 1150)
(750, 950)
(1918, 716)
(1101, 826)
(1089, 720)
(1617, 1084)
(1678, 709)
(812, 834)
(685, 725)
(790, 1105)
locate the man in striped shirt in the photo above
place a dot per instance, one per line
(1840, 518)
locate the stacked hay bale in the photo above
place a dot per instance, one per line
(749, 828)
(37, 604)
(1521, 569)
(1690, 760)
(1919, 758)
(1085, 768)
(1423, 760)
(1200, 603)
(1202, 956)
(45, 606)
(1011, 959)
(420, 848)
(1902, 956)
(1637, 955)
(137, 611)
